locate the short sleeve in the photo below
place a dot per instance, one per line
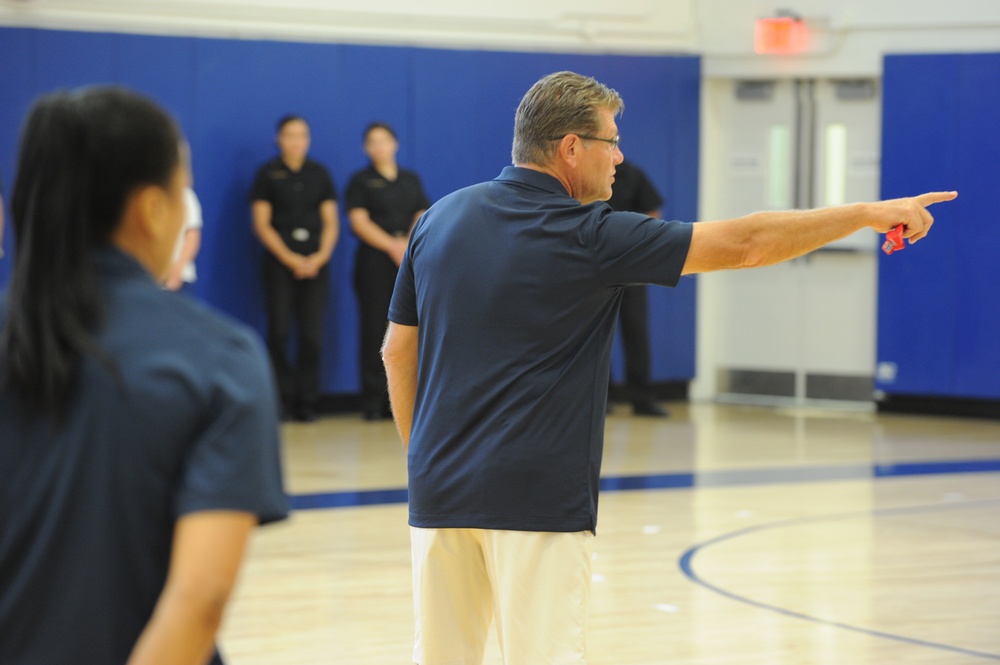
(261, 188)
(631, 248)
(403, 306)
(357, 193)
(233, 463)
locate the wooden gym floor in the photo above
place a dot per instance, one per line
(726, 535)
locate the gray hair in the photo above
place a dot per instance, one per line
(558, 104)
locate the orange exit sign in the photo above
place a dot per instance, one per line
(780, 36)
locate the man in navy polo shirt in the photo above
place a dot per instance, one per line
(498, 354)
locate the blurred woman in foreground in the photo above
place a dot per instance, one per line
(138, 433)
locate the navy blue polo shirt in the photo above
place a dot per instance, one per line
(88, 508)
(515, 287)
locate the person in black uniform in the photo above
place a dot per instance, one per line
(294, 207)
(633, 192)
(383, 202)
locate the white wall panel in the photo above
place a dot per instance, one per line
(849, 36)
(557, 25)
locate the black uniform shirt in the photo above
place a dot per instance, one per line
(295, 199)
(390, 203)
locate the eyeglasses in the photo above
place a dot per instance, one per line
(613, 142)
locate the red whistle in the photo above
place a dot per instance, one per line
(893, 240)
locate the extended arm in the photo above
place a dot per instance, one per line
(766, 238)
(207, 552)
(399, 353)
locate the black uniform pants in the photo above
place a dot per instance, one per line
(634, 328)
(374, 279)
(302, 302)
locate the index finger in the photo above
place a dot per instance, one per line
(931, 198)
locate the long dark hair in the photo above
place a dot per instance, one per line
(82, 155)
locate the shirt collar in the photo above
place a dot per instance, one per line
(288, 168)
(532, 178)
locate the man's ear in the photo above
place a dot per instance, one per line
(569, 149)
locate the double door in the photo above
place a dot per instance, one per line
(803, 330)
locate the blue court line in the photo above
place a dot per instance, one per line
(687, 567)
(929, 468)
(732, 478)
(347, 499)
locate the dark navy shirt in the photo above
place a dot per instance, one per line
(88, 508)
(295, 198)
(515, 288)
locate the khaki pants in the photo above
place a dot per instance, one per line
(535, 585)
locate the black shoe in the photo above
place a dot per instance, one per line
(649, 407)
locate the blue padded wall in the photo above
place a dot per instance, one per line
(939, 310)
(453, 109)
